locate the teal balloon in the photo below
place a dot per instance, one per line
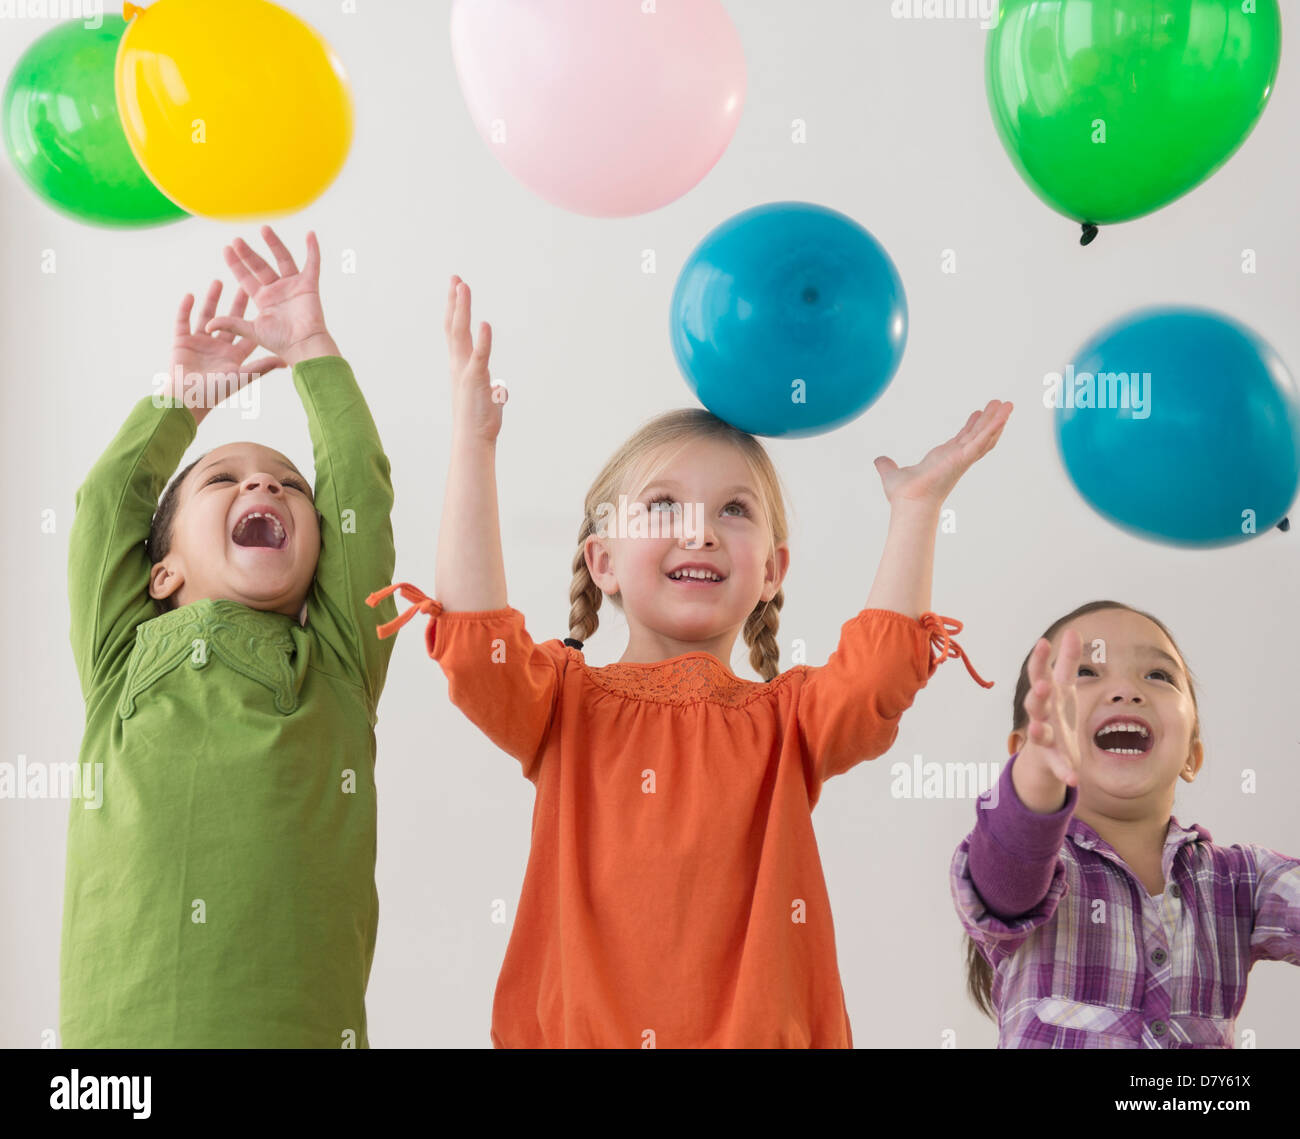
(1203, 450)
(63, 134)
(788, 319)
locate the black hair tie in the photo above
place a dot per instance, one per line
(573, 643)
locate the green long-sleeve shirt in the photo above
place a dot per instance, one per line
(223, 894)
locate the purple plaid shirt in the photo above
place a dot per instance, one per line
(1084, 957)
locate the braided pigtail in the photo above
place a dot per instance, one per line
(760, 636)
(584, 594)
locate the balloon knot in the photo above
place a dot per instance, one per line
(130, 11)
(1284, 525)
(1089, 232)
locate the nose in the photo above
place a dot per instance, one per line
(693, 542)
(269, 482)
(1126, 691)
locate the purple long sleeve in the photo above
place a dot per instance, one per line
(1013, 850)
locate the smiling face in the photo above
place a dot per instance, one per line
(1130, 677)
(245, 530)
(709, 489)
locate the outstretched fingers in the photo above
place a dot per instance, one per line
(249, 283)
(483, 349)
(237, 308)
(458, 336)
(984, 429)
(283, 258)
(209, 307)
(311, 267)
(259, 269)
(182, 327)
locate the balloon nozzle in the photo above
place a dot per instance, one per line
(1089, 232)
(1284, 525)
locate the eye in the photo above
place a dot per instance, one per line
(664, 498)
(226, 476)
(1161, 672)
(1086, 667)
(677, 506)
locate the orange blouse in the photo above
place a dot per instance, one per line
(674, 896)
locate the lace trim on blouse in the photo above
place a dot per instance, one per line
(692, 677)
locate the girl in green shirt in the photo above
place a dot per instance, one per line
(223, 894)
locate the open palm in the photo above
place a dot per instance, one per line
(211, 357)
(1052, 705)
(934, 476)
(288, 301)
(219, 352)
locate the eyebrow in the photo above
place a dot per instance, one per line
(1151, 650)
(1148, 650)
(668, 484)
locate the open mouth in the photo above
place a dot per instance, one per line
(1124, 737)
(259, 529)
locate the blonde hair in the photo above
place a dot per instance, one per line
(630, 469)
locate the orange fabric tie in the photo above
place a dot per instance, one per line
(942, 630)
(422, 604)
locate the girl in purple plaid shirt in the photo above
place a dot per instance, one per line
(1095, 919)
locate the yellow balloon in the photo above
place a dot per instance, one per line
(235, 108)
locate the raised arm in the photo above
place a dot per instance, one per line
(354, 491)
(1014, 848)
(916, 495)
(1008, 875)
(108, 567)
(849, 709)
(108, 564)
(470, 574)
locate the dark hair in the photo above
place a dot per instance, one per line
(979, 974)
(160, 530)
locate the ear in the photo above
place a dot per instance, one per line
(1195, 757)
(600, 564)
(1015, 741)
(777, 567)
(164, 580)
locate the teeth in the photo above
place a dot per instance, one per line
(701, 575)
(1125, 727)
(275, 522)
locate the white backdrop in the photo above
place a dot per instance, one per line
(898, 136)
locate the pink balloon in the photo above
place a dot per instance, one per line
(608, 108)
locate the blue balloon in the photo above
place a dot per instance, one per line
(1192, 436)
(788, 319)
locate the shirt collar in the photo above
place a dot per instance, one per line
(1082, 835)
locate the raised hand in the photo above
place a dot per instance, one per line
(475, 403)
(931, 480)
(290, 321)
(212, 356)
(1051, 752)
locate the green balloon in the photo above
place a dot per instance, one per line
(62, 130)
(1111, 109)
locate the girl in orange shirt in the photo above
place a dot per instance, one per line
(674, 896)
